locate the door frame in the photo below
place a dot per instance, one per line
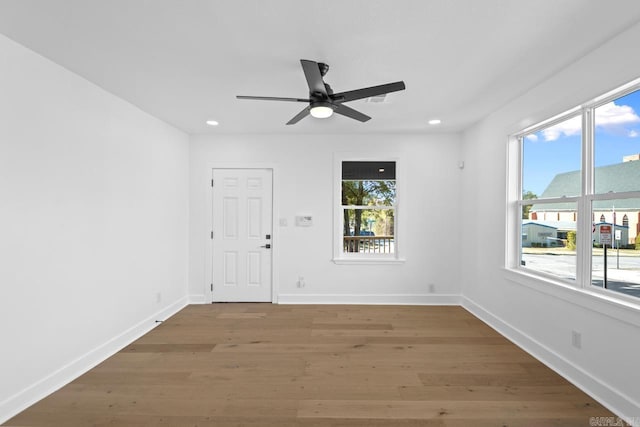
(275, 208)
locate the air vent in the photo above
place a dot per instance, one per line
(377, 98)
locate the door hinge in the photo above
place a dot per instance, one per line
(212, 182)
(212, 287)
(212, 234)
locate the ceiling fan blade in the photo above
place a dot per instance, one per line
(272, 98)
(301, 115)
(314, 78)
(368, 92)
(350, 112)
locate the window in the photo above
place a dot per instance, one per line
(570, 170)
(551, 159)
(367, 211)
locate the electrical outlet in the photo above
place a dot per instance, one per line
(576, 339)
(432, 288)
(301, 283)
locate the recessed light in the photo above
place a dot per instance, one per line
(212, 123)
(381, 170)
(435, 121)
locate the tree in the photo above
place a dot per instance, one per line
(364, 193)
(527, 195)
(571, 240)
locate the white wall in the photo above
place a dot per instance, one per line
(537, 315)
(93, 224)
(303, 168)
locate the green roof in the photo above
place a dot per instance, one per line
(619, 177)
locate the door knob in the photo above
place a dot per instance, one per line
(268, 246)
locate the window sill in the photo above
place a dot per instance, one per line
(590, 299)
(368, 261)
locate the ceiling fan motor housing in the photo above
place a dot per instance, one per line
(324, 68)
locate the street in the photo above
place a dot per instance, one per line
(625, 279)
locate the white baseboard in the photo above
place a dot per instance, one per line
(20, 401)
(377, 299)
(608, 396)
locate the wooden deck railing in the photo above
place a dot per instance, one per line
(368, 244)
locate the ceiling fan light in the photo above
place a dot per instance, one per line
(321, 110)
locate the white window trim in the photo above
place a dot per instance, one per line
(339, 257)
(552, 284)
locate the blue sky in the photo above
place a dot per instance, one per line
(557, 149)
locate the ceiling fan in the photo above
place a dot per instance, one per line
(322, 101)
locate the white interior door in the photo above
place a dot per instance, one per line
(242, 221)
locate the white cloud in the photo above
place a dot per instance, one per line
(532, 137)
(615, 115)
(569, 127)
(610, 116)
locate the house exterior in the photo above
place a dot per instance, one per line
(618, 177)
(538, 235)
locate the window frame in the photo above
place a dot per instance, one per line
(339, 256)
(584, 201)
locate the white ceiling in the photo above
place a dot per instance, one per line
(184, 61)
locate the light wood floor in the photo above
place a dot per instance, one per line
(283, 365)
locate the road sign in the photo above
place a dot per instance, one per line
(605, 235)
(618, 234)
